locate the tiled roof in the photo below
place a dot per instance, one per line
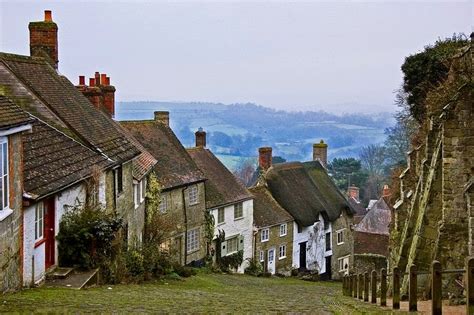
(69, 108)
(11, 115)
(305, 190)
(53, 161)
(174, 166)
(266, 210)
(369, 243)
(377, 220)
(222, 187)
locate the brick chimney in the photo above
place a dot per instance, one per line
(353, 192)
(320, 152)
(386, 191)
(162, 117)
(99, 92)
(44, 39)
(200, 138)
(265, 158)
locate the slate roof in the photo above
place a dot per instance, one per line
(174, 166)
(266, 210)
(377, 220)
(222, 188)
(11, 115)
(53, 161)
(305, 190)
(70, 110)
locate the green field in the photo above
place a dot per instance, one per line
(204, 293)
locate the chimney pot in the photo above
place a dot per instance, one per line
(200, 138)
(48, 16)
(320, 153)
(162, 117)
(107, 80)
(97, 78)
(265, 158)
(386, 191)
(353, 192)
(91, 82)
(82, 80)
(103, 79)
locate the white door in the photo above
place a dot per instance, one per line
(271, 261)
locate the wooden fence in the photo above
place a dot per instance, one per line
(358, 286)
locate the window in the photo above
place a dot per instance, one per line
(163, 207)
(328, 241)
(232, 245)
(39, 221)
(340, 237)
(193, 195)
(265, 235)
(4, 174)
(262, 256)
(282, 252)
(343, 263)
(220, 215)
(136, 194)
(283, 228)
(238, 211)
(143, 189)
(193, 240)
(118, 177)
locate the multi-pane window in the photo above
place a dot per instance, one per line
(193, 195)
(282, 252)
(238, 210)
(220, 215)
(328, 241)
(265, 235)
(136, 195)
(143, 189)
(343, 263)
(39, 221)
(283, 229)
(193, 240)
(118, 177)
(163, 207)
(232, 245)
(3, 173)
(340, 237)
(262, 255)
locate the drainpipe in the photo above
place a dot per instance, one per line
(32, 271)
(185, 226)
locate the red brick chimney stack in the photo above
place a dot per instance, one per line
(99, 92)
(265, 158)
(320, 153)
(97, 78)
(162, 117)
(200, 138)
(44, 39)
(386, 191)
(353, 192)
(82, 80)
(91, 82)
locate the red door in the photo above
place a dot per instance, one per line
(49, 214)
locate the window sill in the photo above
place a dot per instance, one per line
(239, 218)
(280, 258)
(40, 242)
(283, 235)
(5, 214)
(222, 223)
(340, 243)
(192, 251)
(263, 241)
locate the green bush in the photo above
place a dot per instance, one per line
(134, 263)
(184, 271)
(255, 267)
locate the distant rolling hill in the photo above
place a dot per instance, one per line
(236, 131)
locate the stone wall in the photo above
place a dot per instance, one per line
(343, 223)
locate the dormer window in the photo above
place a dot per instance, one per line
(4, 202)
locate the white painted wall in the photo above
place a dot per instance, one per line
(243, 226)
(315, 236)
(102, 182)
(63, 200)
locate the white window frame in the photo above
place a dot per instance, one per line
(238, 207)
(262, 256)
(341, 233)
(265, 235)
(282, 247)
(283, 229)
(163, 206)
(340, 263)
(219, 212)
(143, 189)
(192, 243)
(4, 175)
(193, 195)
(136, 196)
(230, 241)
(39, 221)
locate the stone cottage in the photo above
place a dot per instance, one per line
(228, 201)
(13, 122)
(183, 200)
(274, 237)
(70, 143)
(322, 239)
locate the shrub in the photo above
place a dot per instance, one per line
(184, 271)
(255, 267)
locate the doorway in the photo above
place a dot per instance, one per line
(49, 232)
(271, 261)
(303, 256)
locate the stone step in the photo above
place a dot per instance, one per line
(76, 280)
(59, 273)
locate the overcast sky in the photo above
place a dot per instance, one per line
(294, 56)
